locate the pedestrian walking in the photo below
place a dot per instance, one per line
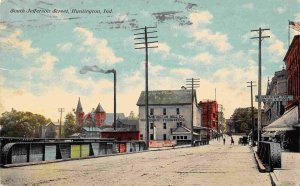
(224, 141)
(232, 141)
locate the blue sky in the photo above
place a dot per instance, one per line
(43, 52)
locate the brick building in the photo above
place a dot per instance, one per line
(209, 114)
(292, 62)
(95, 118)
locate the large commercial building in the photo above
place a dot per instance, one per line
(277, 86)
(170, 114)
(209, 114)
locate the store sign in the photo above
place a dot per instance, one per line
(274, 98)
(165, 118)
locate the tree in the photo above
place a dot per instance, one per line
(242, 119)
(132, 116)
(70, 126)
(21, 124)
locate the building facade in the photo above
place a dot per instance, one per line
(277, 86)
(292, 62)
(95, 118)
(169, 110)
(209, 114)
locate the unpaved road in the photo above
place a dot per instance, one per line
(215, 164)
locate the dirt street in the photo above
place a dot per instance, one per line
(215, 164)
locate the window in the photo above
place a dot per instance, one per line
(151, 111)
(174, 137)
(164, 111)
(165, 125)
(165, 137)
(179, 124)
(151, 137)
(151, 125)
(141, 136)
(178, 137)
(181, 137)
(177, 111)
(185, 137)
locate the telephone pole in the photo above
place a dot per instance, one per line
(61, 110)
(252, 109)
(260, 38)
(194, 83)
(144, 36)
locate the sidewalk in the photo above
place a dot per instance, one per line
(289, 174)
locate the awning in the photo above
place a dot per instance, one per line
(286, 122)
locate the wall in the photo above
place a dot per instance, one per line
(185, 111)
(121, 136)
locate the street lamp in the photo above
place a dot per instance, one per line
(95, 68)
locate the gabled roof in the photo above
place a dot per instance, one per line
(79, 107)
(99, 109)
(167, 97)
(91, 129)
(110, 117)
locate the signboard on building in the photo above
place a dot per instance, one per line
(165, 118)
(274, 98)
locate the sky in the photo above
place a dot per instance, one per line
(44, 44)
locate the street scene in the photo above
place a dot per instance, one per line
(219, 164)
(179, 92)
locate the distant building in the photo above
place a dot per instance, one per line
(169, 110)
(277, 86)
(126, 129)
(50, 130)
(209, 114)
(95, 118)
(110, 118)
(90, 132)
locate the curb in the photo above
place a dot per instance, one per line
(274, 180)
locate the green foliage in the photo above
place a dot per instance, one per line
(242, 119)
(70, 126)
(21, 124)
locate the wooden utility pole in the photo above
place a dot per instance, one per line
(194, 83)
(61, 110)
(252, 110)
(260, 38)
(145, 45)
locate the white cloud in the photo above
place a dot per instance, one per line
(297, 17)
(200, 17)
(47, 60)
(65, 47)
(248, 6)
(13, 41)
(104, 54)
(281, 10)
(276, 48)
(219, 40)
(185, 72)
(203, 57)
(163, 47)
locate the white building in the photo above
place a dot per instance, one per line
(170, 114)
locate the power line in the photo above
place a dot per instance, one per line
(145, 45)
(194, 83)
